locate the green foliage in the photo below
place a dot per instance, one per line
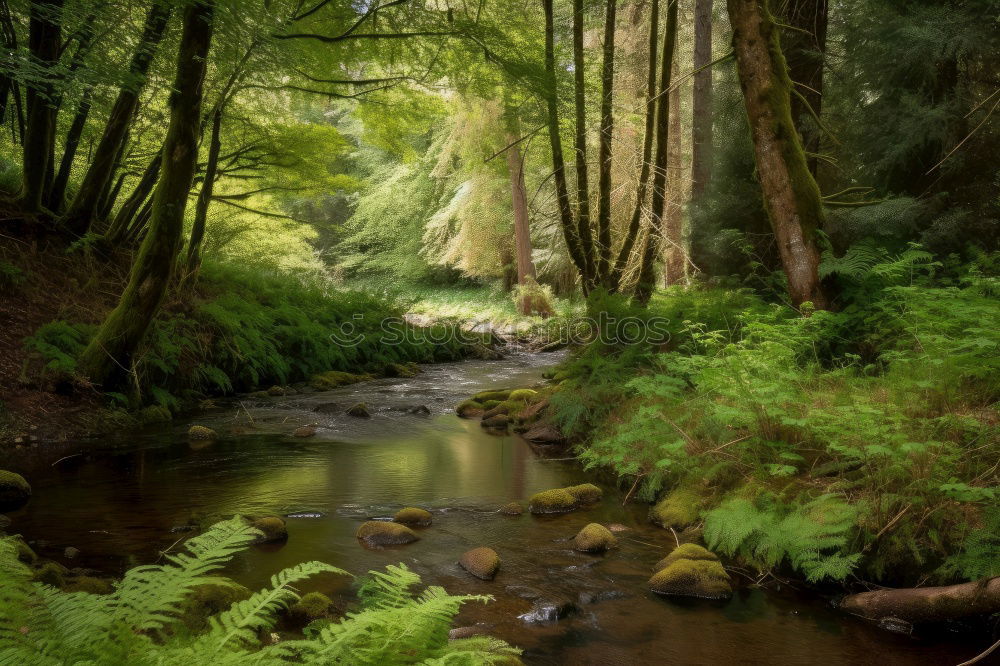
(140, 621)
(10, 275)
(58, 344)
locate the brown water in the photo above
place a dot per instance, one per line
(119, 505)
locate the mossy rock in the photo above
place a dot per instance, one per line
(531, 413)
(401, 370)
(90, 585)
(258, 395)
(24, 552)
(198, 432)
(378, 533)
(311, 607)
(490, 404)
(500, 395)
(496, 422)
(586, 493)
(326, 381)
(276, 391)
(273, 529)
(557, 500)
(523, 395)
(154, 414)
(511, 509)
(594, 538)
(561, 376)
(208, 599)
(50, 573)
(360, 411)
(304, 431)
(483, 563)
(14, 491)
(4, 522)
(413, 516)
(686, 551)
(692, 578)
(468, 409)
(678, 509)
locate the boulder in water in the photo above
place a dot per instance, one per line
(71, 553)
(481, 562)
(359, 410)
(550, 610)
(272, 528)
(686, 551)
(420, 410)
(198, 432)
(304, 431)
(312, 606)
(413, 516)
(276, 391)
(378, 533)
(557, 500)
(594, 538)
(328, 408)
(586, 493)
(483, 396)
(511, 509)
(498, 422)
(468, 409)
(326, 381)
(14, 491)
(691, 571)
(545, 434)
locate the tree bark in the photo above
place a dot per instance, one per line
(85, 206)
(130, 208)
(110, 356)
(580, 147)
(791, 195)
(927, 604)
(605, 153)
(647, 280)
(205, 195)
(522, 229)
(673, 232)
(642, 186)
(57, 193)
(701, 123)
(44, 40)
(804, 47)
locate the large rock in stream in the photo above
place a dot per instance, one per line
(380, 533)
(483, 563)
(14, 491)
(691, 571)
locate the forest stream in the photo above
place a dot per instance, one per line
(122, 504)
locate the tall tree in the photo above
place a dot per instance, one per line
(674, 256)
(791, 196)
(205, 194)
(580, 147)
(701, 115)
(109, 357)
(605, 154)
(804, 46)
(96, 182)
(519, 201)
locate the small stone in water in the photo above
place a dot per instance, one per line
(71, 552)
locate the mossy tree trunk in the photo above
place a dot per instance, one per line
(674, 255)
(95, 185)
(109, 357)
(522, 228)
(130, 208)
(701, 123)
(605, 153)
(791, 195)
(205, 194)
(580, 150)
(44, 42)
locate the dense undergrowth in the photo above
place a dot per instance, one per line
(862, 442)
(143, 619)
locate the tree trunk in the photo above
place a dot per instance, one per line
(44, 40)
(85, 206)
(804, 49)
(57, 194)
(109, 357)
(580, 147)
(566, 220)
(927, 604)
(647, 151)
(605, 155)
(120, 225)
(673, 232)
(205, 195)
(522, 229)
(701, 123)
(647, 279)
(791, 195)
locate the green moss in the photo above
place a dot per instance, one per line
(469, 408)
(50, 573)
(90, 585)
(276, 391)
(377, 533)
(557, 500)
(594, 538)
(201, 432)
(312, 606)
(402, 370)
(413, 516)
(483, 396)
(14, 491)
(272, 528)
(490, 404)
(511, 509)
(686, 551)
(587, 493)
(523, 395)
(481, 562)
(24, 552)
(692, 578)
(210, 599)
(326, 381)
(678, 509)
(154, 414)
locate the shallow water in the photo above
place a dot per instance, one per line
(122, 504)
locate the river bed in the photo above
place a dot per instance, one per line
(122, 504)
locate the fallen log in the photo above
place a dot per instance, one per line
(927, 604)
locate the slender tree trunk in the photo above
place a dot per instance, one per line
(804, 47)
(607, 134)
(647, 279)
(110, 356)
(85, 206)
(701, 123)
(205, 195)
(673, 233)
(522, 230)
(57, 194)
(580, 147)
(44, 40)
(791, 195)
(129, 209)
(642, 186)
(567, 222)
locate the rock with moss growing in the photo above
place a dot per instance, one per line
(90, 585)
(497, 422)
(678, 509)
(483, 396)
(483, 563)
(360, 411)
(14, 491)
(594, 538)
(413, 516)
(404, 370)
(490, 404)
(208, 599)
(4, 523)
(523, 395)
(511, 509)
(272, 528)
(691, 572)
(586, 493)
(686, 551)
(276, 391)
(311, 607)
(531, 413)
(50, 573)
(544, 434)
(468, 409)
(557, 500)
(378, 533)
(326, 381)
(201, 433)
(154, 414)
(24, 552)
(304, 431)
